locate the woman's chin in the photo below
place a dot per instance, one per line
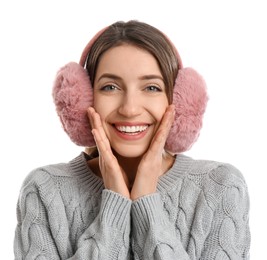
(130, 151)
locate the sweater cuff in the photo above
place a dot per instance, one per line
(115, 210)
(148, 212)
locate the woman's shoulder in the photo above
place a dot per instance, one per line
(58, 172)
(222, 173)
(209, 175)
(218, 182)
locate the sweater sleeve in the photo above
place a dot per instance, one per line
(228, 237)
(42, 230)
(109, 235)
(154, 237)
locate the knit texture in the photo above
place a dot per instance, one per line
(200, 211)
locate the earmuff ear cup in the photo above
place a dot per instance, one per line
(190, 100)
(73, 94)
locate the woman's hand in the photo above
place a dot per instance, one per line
(150, 167)
(113, 176)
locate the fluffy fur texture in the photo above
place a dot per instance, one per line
(190, 99)
(73, 94)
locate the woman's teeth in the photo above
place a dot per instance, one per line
(132, 129)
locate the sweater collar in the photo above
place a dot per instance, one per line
(166, 182)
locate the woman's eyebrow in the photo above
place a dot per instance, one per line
(152, 76)
(110, 76)
(144, 77)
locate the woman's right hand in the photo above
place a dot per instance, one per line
(113, 175)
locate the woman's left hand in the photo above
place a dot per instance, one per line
(150, 167)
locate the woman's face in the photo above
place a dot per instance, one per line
(130, 97)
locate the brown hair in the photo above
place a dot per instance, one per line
(143, 36)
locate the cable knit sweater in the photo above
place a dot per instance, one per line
(200, 211)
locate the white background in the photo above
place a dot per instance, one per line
(223, 40)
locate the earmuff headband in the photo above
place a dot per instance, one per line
(88, 47)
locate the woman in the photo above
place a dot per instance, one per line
(132, 194)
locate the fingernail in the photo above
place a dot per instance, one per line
(173, 109)
(91, 109)
(93, 132)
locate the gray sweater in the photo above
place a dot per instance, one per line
(200, 211)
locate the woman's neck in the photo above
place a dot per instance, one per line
(130, 165)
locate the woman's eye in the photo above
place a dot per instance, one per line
(153, 88)
(109, 88)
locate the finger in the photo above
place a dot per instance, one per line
(90, 112)
(161, 135)
(97, 125)
(94, 118)
(101, 132)
(102, 144)
(167, 119)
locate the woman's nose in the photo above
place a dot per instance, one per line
(130, 106)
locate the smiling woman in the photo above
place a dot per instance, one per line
(132, 194)
(134, 98)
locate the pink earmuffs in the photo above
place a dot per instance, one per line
(73, 94)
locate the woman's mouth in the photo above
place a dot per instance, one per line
(131, 130)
